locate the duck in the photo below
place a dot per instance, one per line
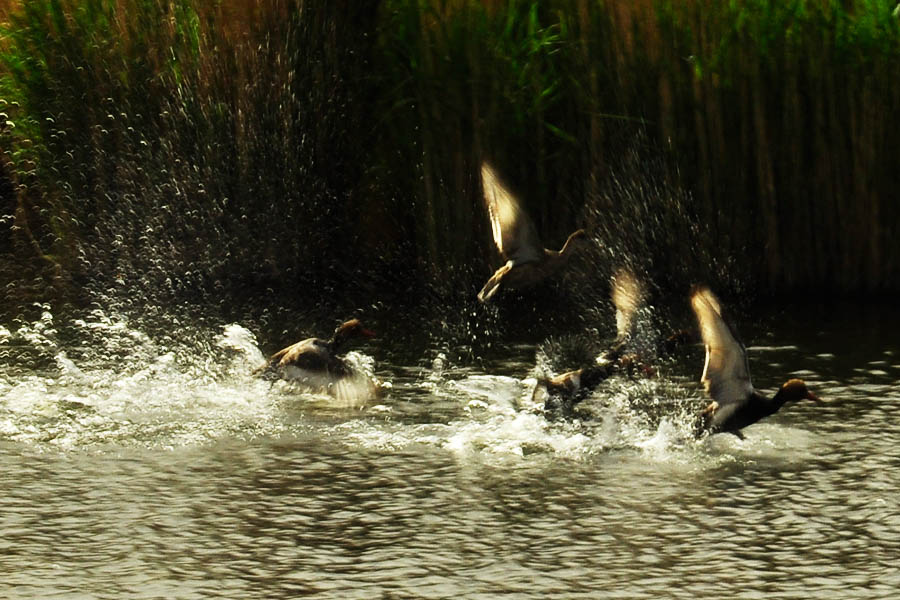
(527, 261)
(564, 391)
(315, 362)
(735, 404)
(628, 353)
(628, 295)
(635, 346)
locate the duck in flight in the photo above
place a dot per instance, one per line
(527, 261)
(726, 375)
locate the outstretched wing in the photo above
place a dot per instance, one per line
(513, 231)
(311, 354)
(627, 297)
(726, 375)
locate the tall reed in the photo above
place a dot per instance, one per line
(334, 147)
(767, 113)
(188, 144)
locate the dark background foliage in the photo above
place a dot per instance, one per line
(328, 152)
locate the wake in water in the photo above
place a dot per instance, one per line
(102, 381)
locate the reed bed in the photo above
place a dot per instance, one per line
(222, 148)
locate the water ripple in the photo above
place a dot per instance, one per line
(167, 476)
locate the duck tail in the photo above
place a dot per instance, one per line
(547, 395)
(702, 424)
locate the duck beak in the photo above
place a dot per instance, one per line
(813, 397)
(367, 333)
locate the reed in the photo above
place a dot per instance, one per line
(220, 147)
(766, 113)
(788, 97)
(185, 144)
(469, 81)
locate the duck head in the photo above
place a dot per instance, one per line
(795, 389)
(348, 331)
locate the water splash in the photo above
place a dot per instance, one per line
(242, 342)
(100, 380)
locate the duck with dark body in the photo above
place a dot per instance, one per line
(565, 391)
(726, 375)
(315, 361)
(625, 355)
(527, 261)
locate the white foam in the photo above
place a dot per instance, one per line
(118, 386)
(242, 341)
(513, 434)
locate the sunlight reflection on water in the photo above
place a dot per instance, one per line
(142, 471)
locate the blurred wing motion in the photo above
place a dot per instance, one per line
(513, 231)
(628, 297)
(311, 354)
(725, 374)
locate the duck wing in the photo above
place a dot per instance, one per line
(514, 233)
(627, 297)
(726, 375)
(312, 354)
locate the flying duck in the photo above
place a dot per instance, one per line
(527, 261)
(726, 375)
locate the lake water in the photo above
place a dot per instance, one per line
(140, 465)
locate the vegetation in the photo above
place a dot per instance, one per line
(222, 148)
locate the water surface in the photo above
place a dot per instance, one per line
(148, 466)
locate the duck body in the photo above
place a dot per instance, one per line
(732, 417)
(315, 362)
(736, 404)
(312, 361)
(568, 389)
(637, 345)
(573, 384)
(626, 354)
(523, 273)
(527, 261)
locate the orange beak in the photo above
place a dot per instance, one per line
(813, 397)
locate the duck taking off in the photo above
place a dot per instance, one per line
(317, 363)
(569, 388)
(527, 261)
(628, 296)
(637, 343)
(632, 352)
(726, 375)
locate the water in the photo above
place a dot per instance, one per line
(141, 464)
